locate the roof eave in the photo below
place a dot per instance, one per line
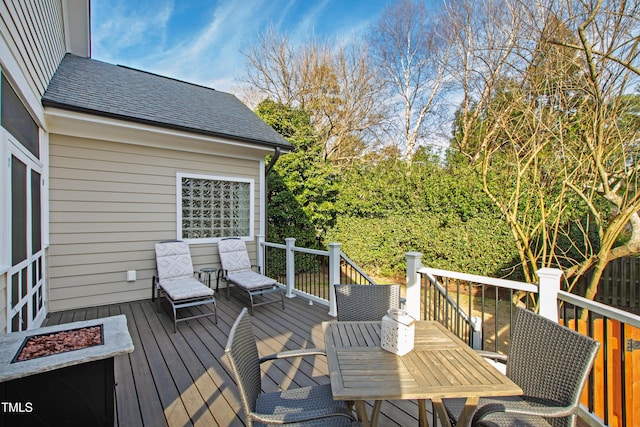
(54, 104)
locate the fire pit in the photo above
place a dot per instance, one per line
(62, 375)
(59, 342)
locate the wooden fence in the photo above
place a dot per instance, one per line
(623, 368)
(619, 285)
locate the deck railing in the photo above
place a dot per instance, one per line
(613, 392)
(480, 310)
(309, 272)
(475, 308)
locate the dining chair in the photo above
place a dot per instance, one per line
(174, 281)
(550, 363)
(305, 406)
(237, 270)
(366, 302)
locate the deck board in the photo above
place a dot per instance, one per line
(147, 402)
(182, 379)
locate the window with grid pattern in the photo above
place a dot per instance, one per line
(214, 207)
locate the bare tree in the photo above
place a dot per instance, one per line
(484, 40)
(406, 48)
(272, 68)
(334, 83)
(546, 113)
(604, 152)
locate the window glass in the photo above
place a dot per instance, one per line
(16, 119)
(213, 207)
(36, 213)
(18, 211)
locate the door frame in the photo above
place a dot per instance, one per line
(31, 304)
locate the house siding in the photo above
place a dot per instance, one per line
(34, 33)
(32, 43)
(109, 204)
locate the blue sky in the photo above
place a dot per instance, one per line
(200, 40)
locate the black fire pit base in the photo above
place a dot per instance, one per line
(70, 388)
(78, 395)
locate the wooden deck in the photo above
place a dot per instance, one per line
(183, 379)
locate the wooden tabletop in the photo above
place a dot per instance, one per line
(440, 366)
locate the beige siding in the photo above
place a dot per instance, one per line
(109, 204)
(32, 43)
(34, 32)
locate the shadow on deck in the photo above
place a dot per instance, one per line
(182, 379)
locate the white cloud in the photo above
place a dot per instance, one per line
(212, 56)
(308, 23)
(123, 27)
(145, 34)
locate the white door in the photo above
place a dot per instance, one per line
(26, 308)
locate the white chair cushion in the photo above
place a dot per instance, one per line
(233, 255)
(249, 279)
(185, 287)
(173, 260)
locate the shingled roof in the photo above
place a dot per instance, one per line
(95, 87)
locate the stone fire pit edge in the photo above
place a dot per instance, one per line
(117, 341)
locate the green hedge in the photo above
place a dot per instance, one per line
(480, 245)
(382, 207)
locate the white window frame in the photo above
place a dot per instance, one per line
(5, 206)
(181, 175)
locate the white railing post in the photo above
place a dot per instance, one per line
(476, 332)
(260, 252)
(548, 292)
(290, 266)
(414, 262)
(334, 276)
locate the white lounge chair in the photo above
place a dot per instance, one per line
(188, 297)
(237, 270)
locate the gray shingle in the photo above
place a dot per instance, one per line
(95, 87)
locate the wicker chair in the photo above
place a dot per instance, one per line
(237, 270)
(550, 363)
(366, 302)
(306, 406)
(188, 297)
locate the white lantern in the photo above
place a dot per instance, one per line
(398, 332)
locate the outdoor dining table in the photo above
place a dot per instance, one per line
(440, 366)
